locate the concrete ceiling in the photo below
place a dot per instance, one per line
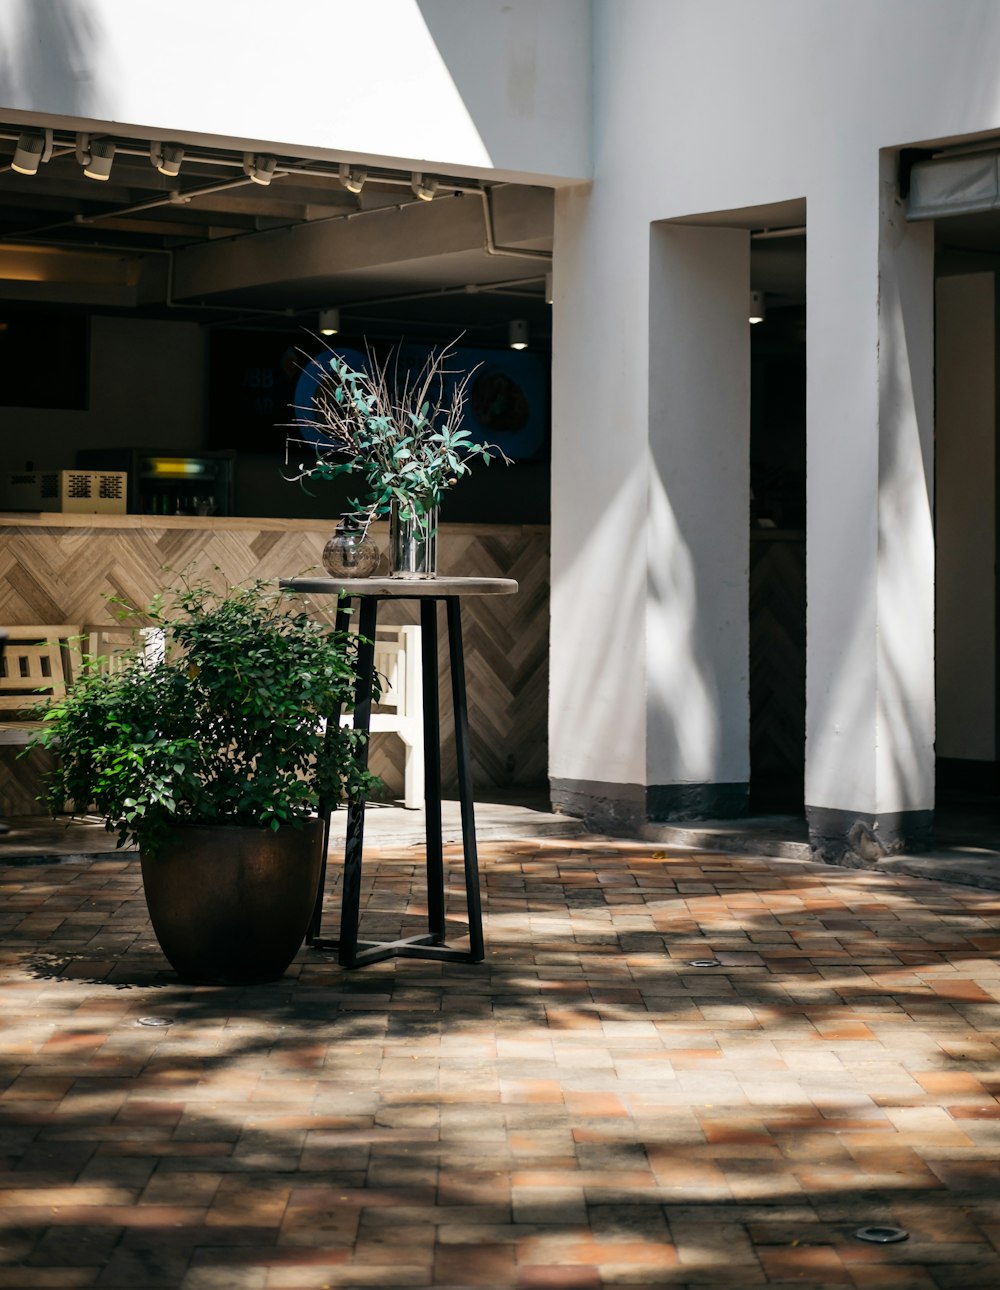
(212, 245)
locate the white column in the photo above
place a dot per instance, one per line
(870, 545)
(698, 518)
(649, 708)
(597, 724)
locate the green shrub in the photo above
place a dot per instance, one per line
(226, 728)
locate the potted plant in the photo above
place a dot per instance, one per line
(213, 759)
(399, 429)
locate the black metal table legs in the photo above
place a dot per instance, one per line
(351, 951)
(464, 756)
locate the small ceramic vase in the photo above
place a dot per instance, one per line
(350, 553)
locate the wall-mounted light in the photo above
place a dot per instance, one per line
(353, 177)
(33, 148)
(424, 188)
(517, 333)
(758, 310)
(258, 168)
(95, 156)
(167, 158)
(329, 321)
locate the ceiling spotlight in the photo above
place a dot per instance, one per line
(423, 188)
(167, 158)
(548, 288)
(758, 310)
(517, 333)
(329, 321)
(259, 168)
(353, 177)
(33, 147)
(95, 156)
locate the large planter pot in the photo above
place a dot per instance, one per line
(230, 906)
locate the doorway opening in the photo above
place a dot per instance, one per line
(778, 522)
(967, 362)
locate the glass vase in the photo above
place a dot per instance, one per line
(350, 553)
(413, 543)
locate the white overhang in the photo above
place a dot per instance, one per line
(954, 186)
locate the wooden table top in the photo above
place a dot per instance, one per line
(403, 588)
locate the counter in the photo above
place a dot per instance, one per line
(60, 568)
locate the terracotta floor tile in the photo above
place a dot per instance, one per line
(814, 1265)
(478, 1265)
(594, 1104)
(887, 1277)
(581, 1110)
(941, 1083)
(539, 1090)
(975, 1111)
(554, 1277)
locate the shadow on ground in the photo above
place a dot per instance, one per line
(584, 1109)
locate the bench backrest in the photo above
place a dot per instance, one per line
(397, 662)
(114, 646)
(37, 662)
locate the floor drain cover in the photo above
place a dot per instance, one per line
(155, 1021)
(704, 963)
(881, 1235)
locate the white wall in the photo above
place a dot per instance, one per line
(716, 105)
(966, 517)
(477, 86)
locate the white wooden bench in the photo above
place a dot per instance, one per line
(400, 709)
(38, 662)
(112, 646)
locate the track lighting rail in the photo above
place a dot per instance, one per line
(175, 157)
(33, 150)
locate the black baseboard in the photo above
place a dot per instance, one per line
(625, 808)
(861, 840)
(607, 808)
(676, 802)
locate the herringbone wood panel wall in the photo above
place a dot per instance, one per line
(67, 574)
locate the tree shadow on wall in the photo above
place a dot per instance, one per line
(57, 58)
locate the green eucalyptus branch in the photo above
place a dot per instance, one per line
(400, 431)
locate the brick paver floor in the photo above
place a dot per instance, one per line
(588, 1108)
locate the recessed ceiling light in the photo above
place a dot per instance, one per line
(167, 158)
(353, 177)
(97, 156)
(423, 188)
(258, 168)
(33, 147)
(517, 333)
